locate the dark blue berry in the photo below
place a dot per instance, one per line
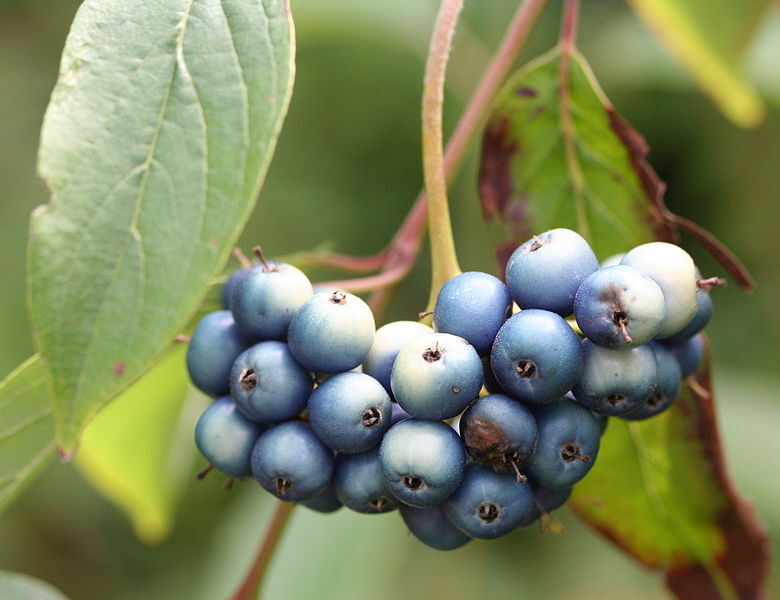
(226, 438)
(432, 527)
(215, 345)
(360, 483)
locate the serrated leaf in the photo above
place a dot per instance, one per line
(26, 429)
(537, 173)
(557, 154)
(154, 145)
(709, 39)
(15, 586)
(138, 451)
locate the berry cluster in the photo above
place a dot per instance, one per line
(321, 408)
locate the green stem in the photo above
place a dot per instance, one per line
(250, 587)
(444, 260)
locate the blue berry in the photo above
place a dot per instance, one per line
(473, 306)
(569, 439)
(350, 412)
(388, 341)
(673, 270)
(230, 284)
(536, 356)
(360, 483)
(423, 461)
(215, 345)
(615, 382)
(700, 319)
(432, 527)
(619, 307)
(545, 500)
(436, 376)
(289, 461)
(332, 332)
(398, 414)
(488, 504)
(669, 380)
(546, 271)
(226, 438)
(265, 300)
(499, 432)
(689, 354)
(268, 385)
(325, 502)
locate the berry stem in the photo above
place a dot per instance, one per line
(254, 578)
(444, 259)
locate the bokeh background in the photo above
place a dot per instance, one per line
(346, 171)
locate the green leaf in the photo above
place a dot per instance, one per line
(138, 451)
(27, 431)
(538, 173)
(709, 39)
(159, 131)
(15, 586)
(557, 154)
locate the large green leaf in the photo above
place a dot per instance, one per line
(26, 428)
(158, 134)
(557, 154)
(138, 451)
(15, 586)
(709, 39)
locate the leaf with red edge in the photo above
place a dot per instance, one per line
(557, 154)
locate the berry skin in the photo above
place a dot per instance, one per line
(473, 306)
(265, 300)
(487, 504)
(545, 500)
(388, 341)
(569, 439)
(226, 438)
(673, 270)
(350, 412)
(332, 332)
(230, 284)
(700, 319)
(619, 307)
(215, 345)
(290, 462)
(324, 502)
(432, 527)
(536, 356)
(689, 354)
(615, 382)
(268, 385)
(360, 483)
(436, 376)
(423, 461)
(546, 271)
(499, 432)
(669, 380)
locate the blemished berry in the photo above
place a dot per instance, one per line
(324, 502)
(432, 527)
(290, 462)
(230, 284)
(388, 341)
(499, 432)
(473, 306)
(487, 504)
(536, 356)
(265, 300)
(214, 347)
(546, 271)
(619, 307)
(268, 385)
(569, 439)
(669, 380)
(689, 354)
(226, 437)
(423, 461)
(332, 332)
(360, 483)
(673, 270)
(615, 382)
(350, 412)
(436, 376)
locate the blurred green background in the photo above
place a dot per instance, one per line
(346, 171)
